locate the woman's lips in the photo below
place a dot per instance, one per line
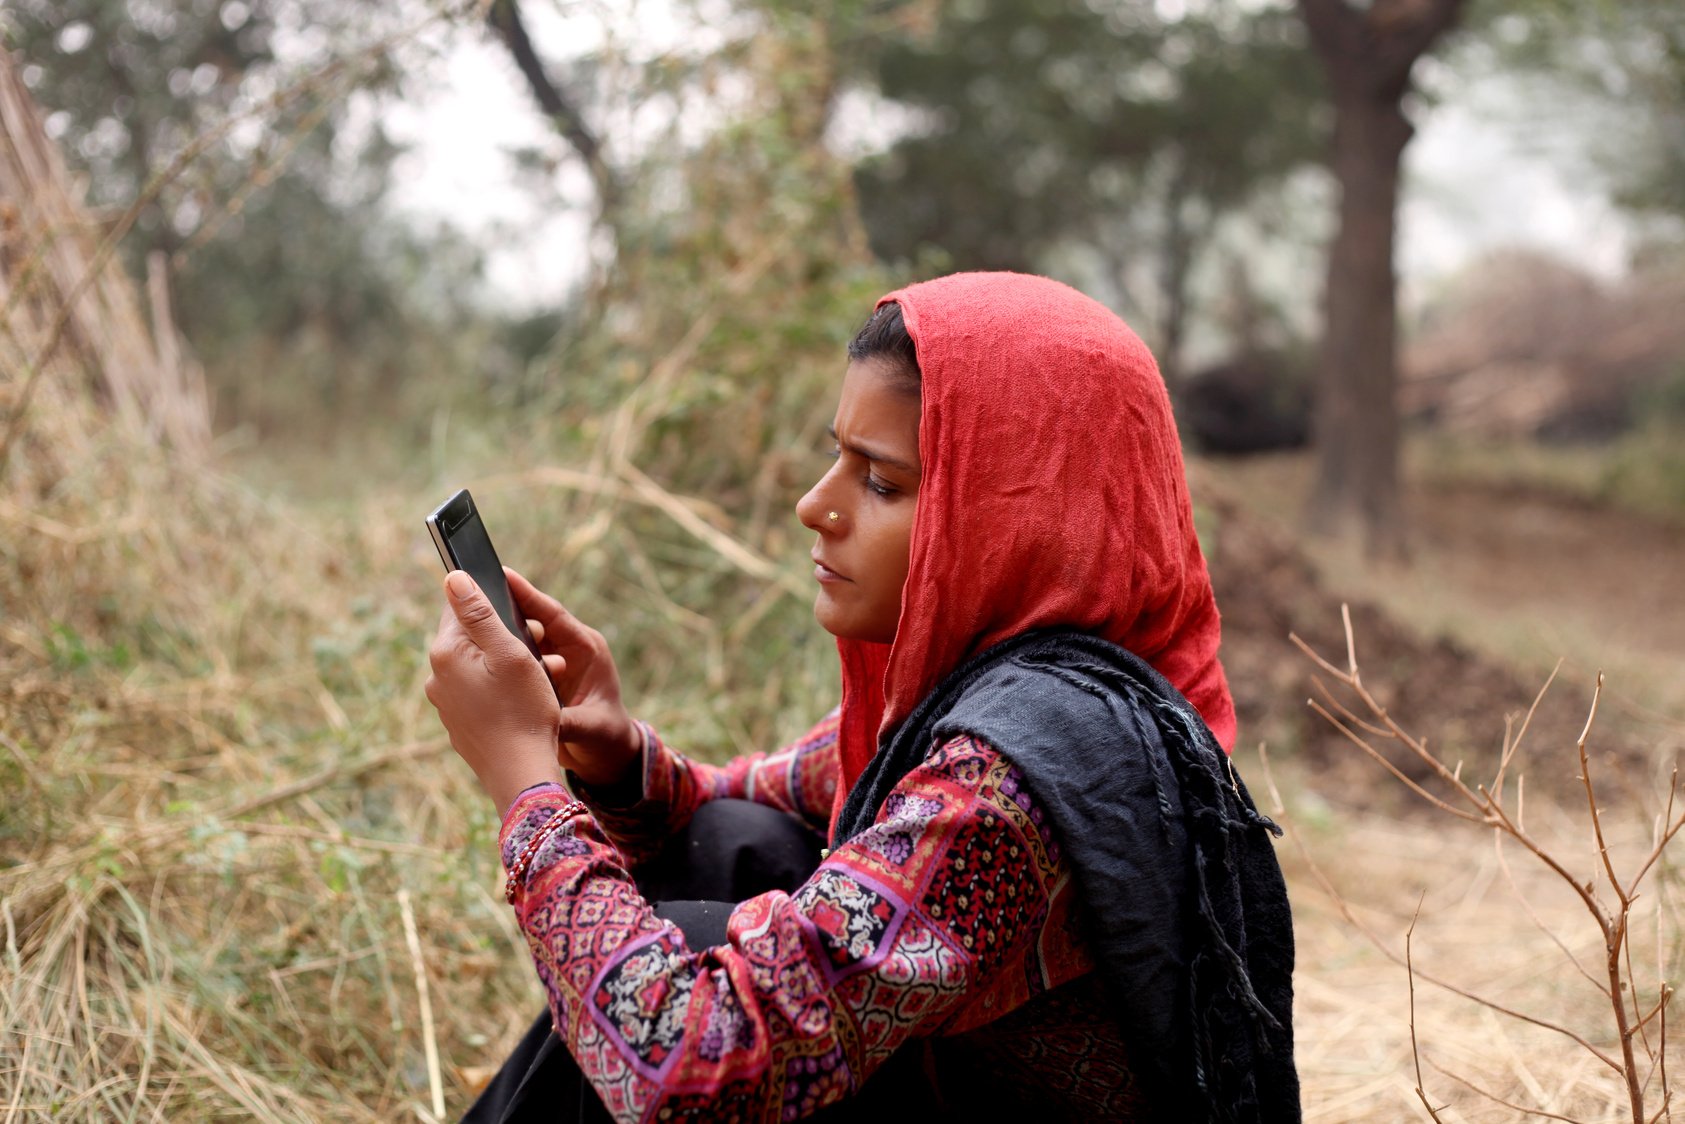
(825, 574)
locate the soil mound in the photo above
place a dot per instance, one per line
(1436, 687)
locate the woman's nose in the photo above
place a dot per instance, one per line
(811, 509)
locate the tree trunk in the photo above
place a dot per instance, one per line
(1175, 266)
(1368, 54)
(1356, 423)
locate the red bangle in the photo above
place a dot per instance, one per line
(518, 869)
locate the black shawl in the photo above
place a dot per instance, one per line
(1186, 908)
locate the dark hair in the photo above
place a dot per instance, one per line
(884, 336)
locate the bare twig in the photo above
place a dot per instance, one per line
(1384, 949)
(1656, 851)
(1616, 933)
(1513, 744)
(1393, 769)
(1591, 797)
(1410, 975)
(1351, 641)
(1527, 906)
(1414, 745)
(1346, 712)
(1487, 808)
(1661, 1005)
(1493, 1097)
(411, 938)
(1661, 1055)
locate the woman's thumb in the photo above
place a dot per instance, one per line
(471, 607)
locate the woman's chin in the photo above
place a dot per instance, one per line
(840, 622)
(829, 615)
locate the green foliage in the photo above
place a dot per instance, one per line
(221, 767)
(70, 651)
(1644, 471)
(1615, 71)
(1048, 124)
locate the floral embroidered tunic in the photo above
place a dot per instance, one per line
(952, 919)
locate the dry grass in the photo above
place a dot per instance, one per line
(225, 782)
(220, 781)
(227, 779)
(1353, 1008)
(229, 806)
(1601, 893)
(1352, 1015)
(241, 875)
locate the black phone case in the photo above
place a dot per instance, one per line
(460, 535)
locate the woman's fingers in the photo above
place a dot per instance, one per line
(535, 629)
(557, 669)
(597, 736)
(561, 626)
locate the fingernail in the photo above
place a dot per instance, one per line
(459, 584)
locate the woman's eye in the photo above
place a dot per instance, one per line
(879, 487)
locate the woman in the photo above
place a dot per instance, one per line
(1046, 892)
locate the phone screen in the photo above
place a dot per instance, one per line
(465, 545)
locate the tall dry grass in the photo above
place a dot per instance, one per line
(223, 779)
(223, 774)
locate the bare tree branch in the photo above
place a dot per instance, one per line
(505, 19)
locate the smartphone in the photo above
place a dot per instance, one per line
(464, 545)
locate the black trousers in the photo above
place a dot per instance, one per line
(732, 851)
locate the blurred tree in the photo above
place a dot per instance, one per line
(1368, 51)
(283, 253)
(1046, 123)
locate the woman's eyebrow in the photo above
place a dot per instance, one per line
(877, 456)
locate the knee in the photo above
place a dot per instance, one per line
(735, 849)
(743, 823)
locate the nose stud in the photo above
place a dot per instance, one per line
(833, 516)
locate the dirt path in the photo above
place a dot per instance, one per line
(1601, 586)
(1520, 578)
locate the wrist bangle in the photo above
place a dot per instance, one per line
(518, 868)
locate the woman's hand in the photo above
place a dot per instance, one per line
(502, 715)
(491, 695)
(599, 742)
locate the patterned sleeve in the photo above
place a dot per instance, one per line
(800, 779)
(936, 919)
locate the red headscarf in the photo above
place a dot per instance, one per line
(1052, 494)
